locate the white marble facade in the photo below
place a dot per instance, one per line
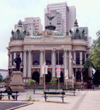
(52, 43)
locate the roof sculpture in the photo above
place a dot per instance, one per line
(19, 33)
(76, 32)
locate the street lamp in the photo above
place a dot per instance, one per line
(58, 78)
(44, 65)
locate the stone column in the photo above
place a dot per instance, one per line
(53, 63)
(41, 62)
(29, 64)
(65, 65)
(24, 66)
(75, 58)
(65, 60)
(80, 58)
(10, 59)
(70, 64)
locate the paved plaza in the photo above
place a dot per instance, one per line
(83, 100)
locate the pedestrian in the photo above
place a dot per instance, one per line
(8, 89)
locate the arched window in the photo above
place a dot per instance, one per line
(35, 76)
(36, 57)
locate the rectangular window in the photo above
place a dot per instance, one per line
(58, 23)
(77, 57)
(83, 57)
(12, 58)
(59, 58)
(48, 57)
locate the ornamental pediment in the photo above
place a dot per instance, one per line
(48, 33)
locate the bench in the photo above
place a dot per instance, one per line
(70, 89)
(54, 94)
(8, 93)
(78, 88)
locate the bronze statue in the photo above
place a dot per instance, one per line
(50, 17)
(17, 60)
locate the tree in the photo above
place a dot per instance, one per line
(1, 78)
(53, 82)
(32, 82)
(94, 58)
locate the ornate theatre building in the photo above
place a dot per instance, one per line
(69, 51)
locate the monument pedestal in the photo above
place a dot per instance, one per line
(16, 83)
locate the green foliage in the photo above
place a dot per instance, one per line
(1, 78)
(31, 82)
(88, 63)
(30, 98)
(53, 81)
(94, 58)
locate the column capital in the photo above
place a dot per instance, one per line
(65, 50)
(53, 49)
(24, 50)
(70, 50)
(41, 50)
(29, 50)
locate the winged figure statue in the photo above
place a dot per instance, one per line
(50, 17)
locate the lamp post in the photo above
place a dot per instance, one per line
(81, 78)
(44, 64)
(58, 78)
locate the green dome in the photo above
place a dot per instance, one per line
(76, 32)
(18, 33)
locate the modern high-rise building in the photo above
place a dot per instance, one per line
(32, 25)
(71, 16)
(68, 14)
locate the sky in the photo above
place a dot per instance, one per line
(11, 11)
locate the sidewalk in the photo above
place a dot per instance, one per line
(84, 100)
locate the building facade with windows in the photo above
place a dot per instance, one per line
(32, 25)
(69, 51)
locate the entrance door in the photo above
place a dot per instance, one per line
(48, 77)
(62, 77)
(35, 76)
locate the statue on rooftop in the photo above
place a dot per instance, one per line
(50, 17)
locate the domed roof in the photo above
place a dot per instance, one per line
(18, 33)
(76, 32)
